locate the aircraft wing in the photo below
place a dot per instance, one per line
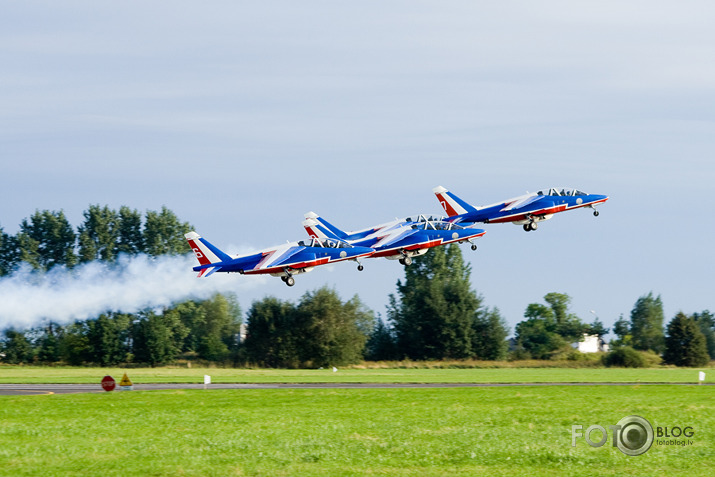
(280, 256)
(395, 236)
(522, 203)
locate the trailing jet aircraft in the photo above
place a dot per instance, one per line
(397, 240)
(527, 210)
(282, 261)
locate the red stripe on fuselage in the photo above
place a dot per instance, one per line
(525, 216)
(588, 204)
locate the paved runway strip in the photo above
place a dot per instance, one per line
(39, 389)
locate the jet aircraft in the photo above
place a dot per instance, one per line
(282, 261)
(397, 240)
(527, 210)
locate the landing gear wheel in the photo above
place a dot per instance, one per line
(284, 279)
(360, 268)
(290, 281)
(407, 261)
(474, 247)
(527, 227)
(595, 213)
(533, 226)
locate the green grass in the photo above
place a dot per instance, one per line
(402, 432)
(37, 374)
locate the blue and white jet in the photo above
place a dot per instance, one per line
(527, 210)
(282, 261)
(397, 240)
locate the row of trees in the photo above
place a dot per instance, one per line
(548, 330)
(433, 315)
(208, 330)
(47, 239)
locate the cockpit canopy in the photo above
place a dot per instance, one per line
(325, 243)
(564, 192)
(434, 223)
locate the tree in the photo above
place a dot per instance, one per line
(74, 345)
(685, 343)
(381, 344)
(706, 322)
(490, 332)
(108, 338)
(329, 332)
(549, 328)
(538, 336)
(164, 233)
(433, 312)
(647, 324)
(48, 344)
(157, 338)
(98, 235)
(47, 240)
(219, 329)
(597, 328)
(622, 329)
(568, 325)
(320, 331)
(16, 347)
(213, 326)
(270, 340)
(130, 239)
(9, 253)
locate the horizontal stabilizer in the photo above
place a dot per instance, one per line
(207, 272)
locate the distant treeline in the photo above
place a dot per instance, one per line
(47, 239)
(433, 315)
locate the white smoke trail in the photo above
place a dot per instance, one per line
(132, 284)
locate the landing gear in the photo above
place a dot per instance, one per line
(360, 268)
(474, 246)
(530, 226)
(288, 280)
(595, 213)
(407, 261)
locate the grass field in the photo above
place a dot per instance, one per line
(37, 374)
(404, 432)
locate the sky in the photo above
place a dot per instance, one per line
(242, 116)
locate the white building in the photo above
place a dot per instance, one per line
(591, 344)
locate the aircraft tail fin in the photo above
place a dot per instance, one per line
(452, 204)
(206, 253)
(318, 227)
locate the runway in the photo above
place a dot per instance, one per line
(45, 389)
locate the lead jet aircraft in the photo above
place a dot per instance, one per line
(527, 210)
(282, 261)
(397, 240)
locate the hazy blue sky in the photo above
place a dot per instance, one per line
(241, 116)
